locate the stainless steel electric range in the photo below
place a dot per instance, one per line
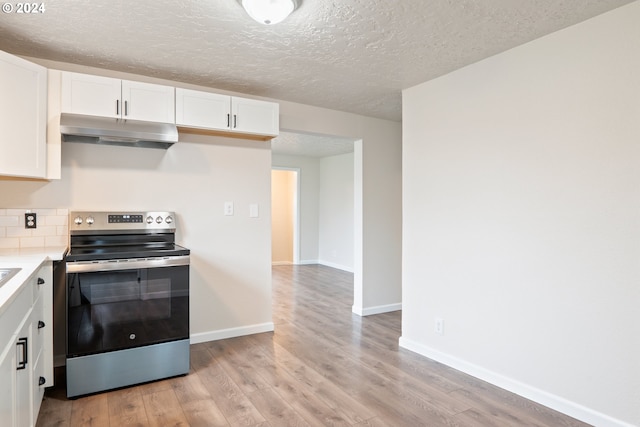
(127, 301)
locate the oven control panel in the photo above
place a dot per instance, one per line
(108, 221)
(128, 218)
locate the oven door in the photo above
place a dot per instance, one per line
(120, 304)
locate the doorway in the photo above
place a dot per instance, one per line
(284, 216)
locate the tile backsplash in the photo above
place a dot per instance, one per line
(52, 228)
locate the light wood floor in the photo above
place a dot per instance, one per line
(323, 366)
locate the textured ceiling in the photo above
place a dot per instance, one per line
(349, 55)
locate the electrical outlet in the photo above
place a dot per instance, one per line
(30, 220)
(439, 326)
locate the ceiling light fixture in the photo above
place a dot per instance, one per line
(269, 12)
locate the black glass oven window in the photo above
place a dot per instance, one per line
(126, 308)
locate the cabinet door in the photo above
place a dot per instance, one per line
(37, 389)
(43, 311)
(23, 117)
(202, 109)
(8, 384)
(91, 95)
(39, 326)
(149, 102)
(24, 374)
(255, 117)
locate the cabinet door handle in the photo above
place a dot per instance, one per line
(228, 120)
(40, 281)
(126, 108)
(117, 107)
(22, 342)
(235, 121)
(41, 324)
(42, 380)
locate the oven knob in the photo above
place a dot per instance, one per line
(159, 220)
(149, 219)
(89, 220)
(168, 219)
(78, 220)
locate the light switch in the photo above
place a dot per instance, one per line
(254, 211)
(228, 208)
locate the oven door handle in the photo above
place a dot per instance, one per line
(125, 264)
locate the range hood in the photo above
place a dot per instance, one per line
(111, 131)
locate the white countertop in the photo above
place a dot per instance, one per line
(53, 253)
(28, 260)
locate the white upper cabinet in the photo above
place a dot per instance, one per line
(202, 109)
(149, 102)
(229, 114)
(23, 117)
(91, 95)
(255, 117)
(108, 97)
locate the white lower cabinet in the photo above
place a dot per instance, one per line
(38, 387)
(8, 383)
(41, 350)
(23, 360)
(24, 375)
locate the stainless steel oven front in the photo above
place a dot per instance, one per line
(127, 319)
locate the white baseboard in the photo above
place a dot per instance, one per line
(308, 262)
(542, 397)
(222, 334)
(379, 309)
(334, 265)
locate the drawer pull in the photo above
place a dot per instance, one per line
(41, 324)
(22, 342)
(41, 381)
(40, 281)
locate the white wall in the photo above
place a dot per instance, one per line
(283, 204)
(326, 208)
(377, 198)
(309, 179)
(522, 219)
(381, 210)
(336, 233)
(230, 258)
